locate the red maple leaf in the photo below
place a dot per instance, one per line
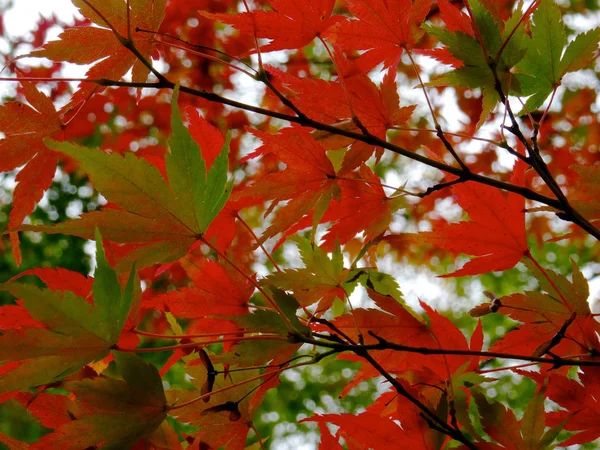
(363, 207)
(447, 335)
(581, 402)
(24, 128)
(216, 293)
(455, 19)
(394, 323)
(358, 97)
(496, 232)
(307, 181)
(291, 24)
(384, 28)
(559, 320)
(365, 430)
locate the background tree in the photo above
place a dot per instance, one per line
(261, 181)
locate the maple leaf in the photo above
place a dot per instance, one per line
(98, 45)
(368, 429)
(166, 203)
(502, 426)
(24, 129)
(447, 335)
(14, 317)
(580, 400)
(377, 108)
(364, 207)
(586, 193)
(496, 233)
(291, 24)
(384, 28)
(261, 321)
(545, 63)
(564, 307)
(114, 413)
(52, 411)
(307, 182)
(75, 333)
(395, 322)
(321, 280)
(12, 443)
(417, 432)
(168, 218)
(260, 351)
(217, 293)
(454, 18)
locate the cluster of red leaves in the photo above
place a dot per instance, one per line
(174, 221)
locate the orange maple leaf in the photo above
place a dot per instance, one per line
(384, 28)
(101, 47)
(25, 127)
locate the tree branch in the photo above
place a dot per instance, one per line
(565, 211)
(387, 345)
(536, 161)
(369, 139)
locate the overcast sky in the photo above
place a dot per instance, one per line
(23, 16)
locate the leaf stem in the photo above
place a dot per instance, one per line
(314, 360)
(251, 231)
(200, 47)
(524, 17)
(251, 280)
(199, 344)
(438, 127)
(209, 57)
(185, 336)
(432, 130)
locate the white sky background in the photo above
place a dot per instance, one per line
(24, 13)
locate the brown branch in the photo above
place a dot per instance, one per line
(400, 389)
(383, 344)
(536, 161)
(438, 187)
(368, 139)
(565, 211)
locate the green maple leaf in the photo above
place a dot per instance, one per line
(267, 321)
(557, 286)
(545, 63)
(116, 413)
(202, 195)
(76, 332)
(476, 71)
(167, 216)
(323, 278)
